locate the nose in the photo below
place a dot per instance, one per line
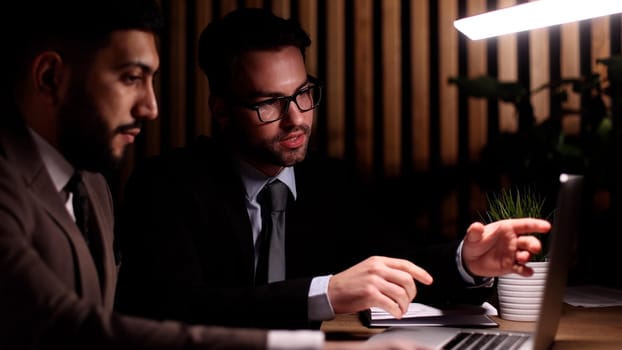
(147, 107)
(293, 115)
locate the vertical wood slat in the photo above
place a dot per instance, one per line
(253, 3)
(570, 67)
(448, 67)
(203, 117)
(178, 79)
(282, 8)
(227, 6)
(392, 86)
(539, 72)
(308, 20)
(420, 56)
(335, 68)
(601, 48)
(478, 108)
(508, 71)
(600, 43)
(477, 65)
(363, 84)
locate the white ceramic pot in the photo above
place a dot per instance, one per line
(520, 297)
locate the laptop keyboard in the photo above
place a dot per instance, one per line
(485, 341)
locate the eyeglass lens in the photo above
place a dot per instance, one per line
(306, 100)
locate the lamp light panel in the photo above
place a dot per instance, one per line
(533, 15)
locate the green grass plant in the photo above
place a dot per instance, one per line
(518, 203)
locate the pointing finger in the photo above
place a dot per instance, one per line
(415, 271)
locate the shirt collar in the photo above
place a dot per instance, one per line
(59, 169)
(254, 180)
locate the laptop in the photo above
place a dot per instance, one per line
(564, 232)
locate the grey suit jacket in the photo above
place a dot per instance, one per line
(50, 293)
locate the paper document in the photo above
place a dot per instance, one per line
(592, 296)
(424, 315)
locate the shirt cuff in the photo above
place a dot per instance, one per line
(475, 282)
(295, 340)
(319, 307)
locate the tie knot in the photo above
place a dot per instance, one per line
(276, 194)
(76, 186)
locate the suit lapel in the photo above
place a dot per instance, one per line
(43, 190)
(213, 162)
(105, 236)
(22, 152)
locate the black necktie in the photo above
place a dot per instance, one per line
(84, 219)
(80, 201)
(271, 260)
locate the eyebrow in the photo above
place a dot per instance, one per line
(260, 93)
(143, 66)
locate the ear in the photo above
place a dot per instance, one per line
(219, 109)
(47, 74)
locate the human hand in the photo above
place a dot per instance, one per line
(502, 246)
(376, 345)
(378, 281)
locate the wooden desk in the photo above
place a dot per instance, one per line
(579, 328)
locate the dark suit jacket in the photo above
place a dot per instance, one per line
(188, 253)
(50, 293)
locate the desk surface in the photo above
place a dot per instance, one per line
(579, 328)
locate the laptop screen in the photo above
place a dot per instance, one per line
(564, 233)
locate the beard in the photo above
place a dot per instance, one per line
(269, 151)
(84, 137)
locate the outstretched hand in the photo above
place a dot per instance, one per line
(383, 282)
(502, 246)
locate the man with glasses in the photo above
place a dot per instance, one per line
(195, 221)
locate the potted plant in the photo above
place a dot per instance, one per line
(518, 203)
(520, 297)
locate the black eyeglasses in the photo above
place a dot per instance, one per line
(274, 109)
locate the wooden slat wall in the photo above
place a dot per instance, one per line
(476, 57)
(448, 67)
(335, 77)
(388, 108)
(363, 103)
(507, 59)
(391, 86)
(570, 67)
(202, 119)
(420, 82)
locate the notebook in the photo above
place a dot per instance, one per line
(564, 232)
(425, 315)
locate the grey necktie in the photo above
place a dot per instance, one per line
(271, 262)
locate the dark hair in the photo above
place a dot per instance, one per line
(76, 26)
(243, 30)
